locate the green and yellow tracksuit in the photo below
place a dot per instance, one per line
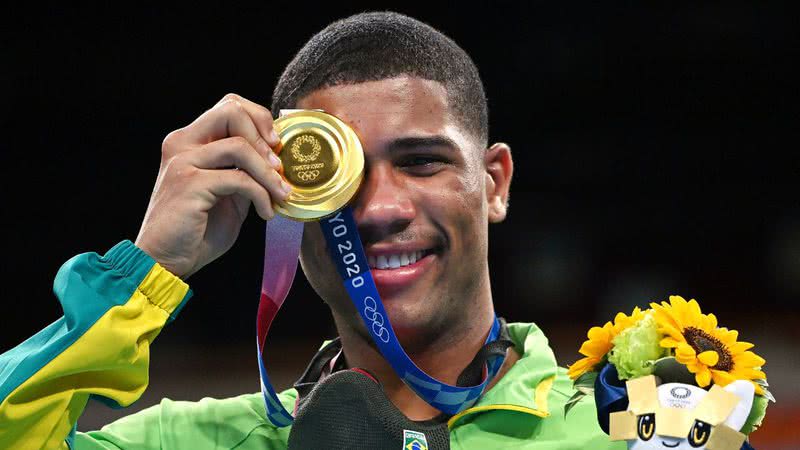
(115, 305)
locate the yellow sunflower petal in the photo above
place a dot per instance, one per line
(748, 359)
(712, 321)
(750, 374)
(685, 352)
(709, 358)
(703, 377)
(670, 330)
(728, 337)
(666, 323)
(740, 347)
(693, 310)
(677, 301)
(694, 366)
(722, 377)
(669, 342)
(581, 366)
(599, 334)
(595, 348)
(677, 309)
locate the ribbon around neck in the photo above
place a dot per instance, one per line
(283, 238)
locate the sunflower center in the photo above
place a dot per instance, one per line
(702, 342)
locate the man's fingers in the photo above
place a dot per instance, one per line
(262, 118)
(230, 117)
(221, 183)
(237, 152)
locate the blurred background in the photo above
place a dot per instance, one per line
(655, 150)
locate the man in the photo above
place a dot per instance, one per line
(432, 186)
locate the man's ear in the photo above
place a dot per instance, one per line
(499, 168)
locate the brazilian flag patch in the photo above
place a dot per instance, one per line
(414, 440)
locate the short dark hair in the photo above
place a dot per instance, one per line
(378, 45)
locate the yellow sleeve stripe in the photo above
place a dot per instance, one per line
(110, 359)
(164, 290)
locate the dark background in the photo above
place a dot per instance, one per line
(654, 145)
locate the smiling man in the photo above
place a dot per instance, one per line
(432, 186)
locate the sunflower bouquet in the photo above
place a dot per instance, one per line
(669, 376)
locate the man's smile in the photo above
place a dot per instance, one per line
(396, 267)
(395, 256)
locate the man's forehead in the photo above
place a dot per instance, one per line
(390, 95)
(388, 108)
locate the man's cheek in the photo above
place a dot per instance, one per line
(315, 261)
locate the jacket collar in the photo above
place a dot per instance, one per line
(525, 386)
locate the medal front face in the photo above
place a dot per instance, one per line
(309, 159)
(323, 161)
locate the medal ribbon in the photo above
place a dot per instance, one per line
(344, 244)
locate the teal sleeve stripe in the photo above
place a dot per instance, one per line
(70, 440)
(180, 306)
(87, 286)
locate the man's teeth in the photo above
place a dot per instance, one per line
(394, 261)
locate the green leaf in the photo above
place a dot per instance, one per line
(669, 370)
(585, 390)
(576, 397)
(756, 415)
(764, 385)
(768, 395)
(585, 381)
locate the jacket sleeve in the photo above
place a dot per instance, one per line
(114, 306)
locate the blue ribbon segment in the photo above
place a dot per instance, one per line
(276, 413)
(347, 253)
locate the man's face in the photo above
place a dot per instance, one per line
(422, 210)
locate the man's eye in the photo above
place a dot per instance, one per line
(422, 164)
(419, 160)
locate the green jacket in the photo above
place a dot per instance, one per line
(115, 305)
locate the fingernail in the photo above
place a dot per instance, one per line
(275, 138)
(274, 160)
(287, 189)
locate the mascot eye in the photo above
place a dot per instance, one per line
(647, 425)
(699, 433)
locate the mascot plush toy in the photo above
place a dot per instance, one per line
(669, 377)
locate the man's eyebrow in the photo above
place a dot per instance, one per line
(416, 142)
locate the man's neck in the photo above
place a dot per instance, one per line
(443, 359)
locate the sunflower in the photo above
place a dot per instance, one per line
(709, 352)
(599, 343)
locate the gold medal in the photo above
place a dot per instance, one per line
(323, 161)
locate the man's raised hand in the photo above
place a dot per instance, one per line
(211, 171)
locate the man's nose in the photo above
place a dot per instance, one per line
(383, 205)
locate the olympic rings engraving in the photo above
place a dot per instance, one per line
(308, 175)
(372, 314)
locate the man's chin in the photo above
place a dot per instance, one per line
(413, 327)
